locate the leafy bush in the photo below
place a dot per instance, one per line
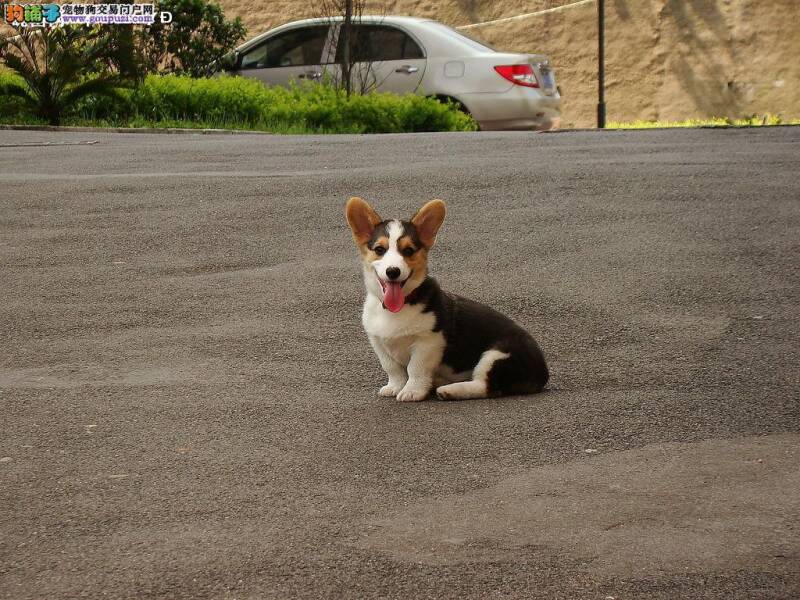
(241, 103)
(197, 38)
(56, 68)
(12, 108)
(214, 99)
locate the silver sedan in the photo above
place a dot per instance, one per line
(406, 54)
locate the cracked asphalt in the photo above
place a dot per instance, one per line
(188, 403)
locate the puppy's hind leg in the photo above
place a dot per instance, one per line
(478, 386)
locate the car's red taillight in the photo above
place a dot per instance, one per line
(519, 74)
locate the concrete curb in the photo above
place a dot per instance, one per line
(131, 130)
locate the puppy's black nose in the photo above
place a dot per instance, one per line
(393, 272)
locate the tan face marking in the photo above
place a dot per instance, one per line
(382, 241)
(416, 260)
(405, 244)
(368, 253)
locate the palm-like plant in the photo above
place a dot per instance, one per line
(59, 66)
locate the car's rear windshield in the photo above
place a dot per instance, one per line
(462, 37)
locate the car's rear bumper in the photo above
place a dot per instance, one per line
(518, 108)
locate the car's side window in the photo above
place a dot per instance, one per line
(376, 43)
(297, 47)
(254, 58)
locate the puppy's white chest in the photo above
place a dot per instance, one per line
(397, 333)
(411, 321)
(399, 348)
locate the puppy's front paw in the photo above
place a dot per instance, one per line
(412, 394)
(390, 390)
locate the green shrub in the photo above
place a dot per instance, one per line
(11, 107)
(218, 98)
(241, 103)
(57, 68)
(195, 41)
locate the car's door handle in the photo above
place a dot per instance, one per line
(310, 75)
(407, 69)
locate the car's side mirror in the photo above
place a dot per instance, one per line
(230, 61)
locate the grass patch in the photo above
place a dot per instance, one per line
(246, 104)
(752, 121)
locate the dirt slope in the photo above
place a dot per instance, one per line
(666, 59)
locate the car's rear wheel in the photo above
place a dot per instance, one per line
(450, 100)
(455, 102)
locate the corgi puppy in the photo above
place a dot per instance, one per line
(425, 338)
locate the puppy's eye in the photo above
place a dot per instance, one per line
(409, 251)
(379, 250)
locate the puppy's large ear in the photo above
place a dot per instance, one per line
(428, 220)
(362, 219)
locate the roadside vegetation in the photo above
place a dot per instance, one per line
(227, 102)
(752, 121)
(55, 70)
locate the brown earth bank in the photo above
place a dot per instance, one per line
(665, 59)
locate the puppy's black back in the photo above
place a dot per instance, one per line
(471, 328)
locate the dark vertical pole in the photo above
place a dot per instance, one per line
(601, 69)
(344, 38)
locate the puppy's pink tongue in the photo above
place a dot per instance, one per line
(393, 298)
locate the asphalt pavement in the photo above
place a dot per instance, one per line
(188, 403)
